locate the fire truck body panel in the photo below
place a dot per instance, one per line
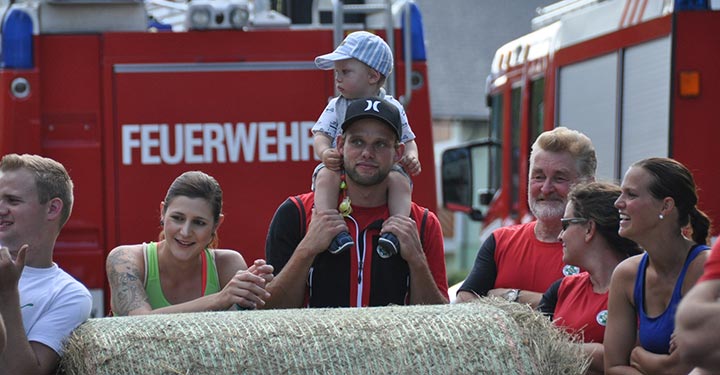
(695, 131)
(628, 101)
(615, 70)
(630, 86)
(127, 112)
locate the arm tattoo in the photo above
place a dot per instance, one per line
(126, 286)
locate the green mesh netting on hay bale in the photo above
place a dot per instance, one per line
(489, 337)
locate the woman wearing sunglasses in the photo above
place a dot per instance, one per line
(590, 240)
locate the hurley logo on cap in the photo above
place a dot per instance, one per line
(372, 104)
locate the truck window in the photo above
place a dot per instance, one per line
(537, 95)
(496, 116)
(515, 102)
(496, 121)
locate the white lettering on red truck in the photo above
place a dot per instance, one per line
(200, 143)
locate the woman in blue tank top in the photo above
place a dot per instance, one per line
(658, 211)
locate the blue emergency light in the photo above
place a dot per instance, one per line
(691, 5)
(416, 30)
(17, 40)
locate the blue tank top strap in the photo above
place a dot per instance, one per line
(694, 252)
(654, 333)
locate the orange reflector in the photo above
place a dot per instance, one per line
(689, 84)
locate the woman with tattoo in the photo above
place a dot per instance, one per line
(183, 271)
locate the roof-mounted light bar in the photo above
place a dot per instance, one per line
(206, 15)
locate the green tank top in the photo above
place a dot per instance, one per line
(152, 280)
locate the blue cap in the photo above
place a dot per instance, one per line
(364, 46)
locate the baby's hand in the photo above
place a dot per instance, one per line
(411, 164)
(332, 159)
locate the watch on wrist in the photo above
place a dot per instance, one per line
(512, 295)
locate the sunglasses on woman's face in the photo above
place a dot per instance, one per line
(566, 221)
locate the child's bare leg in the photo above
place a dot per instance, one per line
(327, 194)
(399, 201)
(327, 189)
(399, 194)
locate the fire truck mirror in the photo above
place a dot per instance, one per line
(457, 182)
(470, 177)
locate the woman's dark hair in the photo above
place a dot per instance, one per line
(674, 180)
(596, 201)
(196, 184)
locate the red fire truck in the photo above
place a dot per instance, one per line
(639, 77)
(229, 88)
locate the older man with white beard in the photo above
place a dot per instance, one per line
(520, 262)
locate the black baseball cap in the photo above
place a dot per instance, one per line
(377, 108)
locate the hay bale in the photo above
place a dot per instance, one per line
(489, 337)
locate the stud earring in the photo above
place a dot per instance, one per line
(661, 216)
